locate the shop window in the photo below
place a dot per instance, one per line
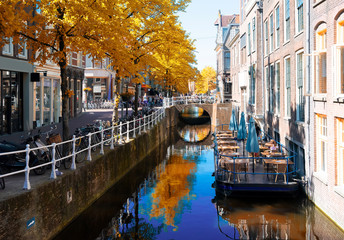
(321, 143)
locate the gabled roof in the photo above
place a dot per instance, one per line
(227, 19)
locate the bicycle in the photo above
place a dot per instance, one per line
(56, 138)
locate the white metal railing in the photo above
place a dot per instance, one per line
(119, 133)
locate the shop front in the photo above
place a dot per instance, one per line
(11, 102)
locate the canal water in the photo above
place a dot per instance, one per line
(170, 196)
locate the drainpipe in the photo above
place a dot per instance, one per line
(308, 93)
(260, 10)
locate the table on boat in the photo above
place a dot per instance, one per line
(228, 142)
(280, 163)
(230, 154)
(228, 147)
(273, 154)
(262, 148)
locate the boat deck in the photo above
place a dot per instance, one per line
(236, 171)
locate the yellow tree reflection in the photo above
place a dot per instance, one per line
(172, 187)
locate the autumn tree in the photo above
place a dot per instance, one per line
(206, 81)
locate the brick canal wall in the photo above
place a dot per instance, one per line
(46, 209)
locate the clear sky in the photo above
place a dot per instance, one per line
(199, 19)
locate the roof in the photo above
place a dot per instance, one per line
(227, 19)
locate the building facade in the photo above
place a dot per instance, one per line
(326, 166)
(16, 85)
(224, 85)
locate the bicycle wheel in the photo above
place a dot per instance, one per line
(40, 170)
(82, 149)
(67, 162)
(2, 180)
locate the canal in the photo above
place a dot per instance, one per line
(170, 196)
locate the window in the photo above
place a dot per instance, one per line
(320, 60)
(22, 51)
(287, 86)
(321, 142)
(278, 88)
(277, 15)
(300, 102)
(299, 15)
(227, 61)
(272, 88)
(249, 38)
(339, 53)
(254, 34)
(286, 20)
(266, 38)
(271, 33)
(268, 87)
(340, 151)
(252, 99)
(7, 49)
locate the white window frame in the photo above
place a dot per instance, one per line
(24, 54)
(285, 20)
(249, 38)
(266, 37)
(254, 34)
(271, 33)
(287, 105)
(267, 80)
(296, 86)
(297, 30)
(336, 49)
(340, 151)
(277, 27)
(277, 101)
(10, 46)
(321, 137)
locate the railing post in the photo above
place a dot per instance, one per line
(112, 130)
(144, 123)
(27, 185)
(89, 157)
(120, 132)
(53, 161)
(140, 125)
(156, 118)
(128, 130)
(134, 130)
(186, 100)
(73, 167)
(102, 139)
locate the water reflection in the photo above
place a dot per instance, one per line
(194, 115)
(268, 219)
(194, 133)
(174, 200)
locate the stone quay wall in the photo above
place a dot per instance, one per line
(48, 207)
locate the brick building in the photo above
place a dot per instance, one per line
(326, 166)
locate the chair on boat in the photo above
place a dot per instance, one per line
(280, 168)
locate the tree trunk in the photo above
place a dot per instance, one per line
(64, 88)
(136, 101)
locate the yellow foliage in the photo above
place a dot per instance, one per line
(206, 81)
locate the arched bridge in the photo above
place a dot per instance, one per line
(219, 113)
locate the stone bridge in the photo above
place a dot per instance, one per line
(220, 113)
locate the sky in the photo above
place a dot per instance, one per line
(198, 20)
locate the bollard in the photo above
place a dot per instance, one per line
(27, 185)
(102, 138)
(89, 157)
(112, 130)
(53, 172)
(73, 167)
